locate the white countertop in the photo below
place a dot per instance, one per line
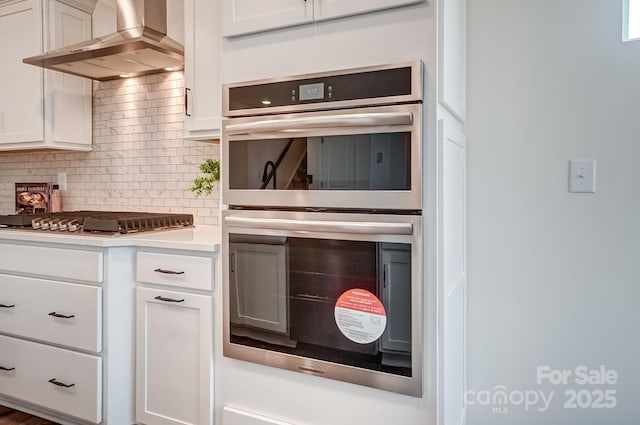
(198, 238)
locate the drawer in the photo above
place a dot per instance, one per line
(184, 271)
(63, 313)
(55, 263)
(233, 416)
(54, 378)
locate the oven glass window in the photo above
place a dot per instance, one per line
(346, 302)
(350, 162)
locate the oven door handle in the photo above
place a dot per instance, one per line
(290, 125)
(350, 227)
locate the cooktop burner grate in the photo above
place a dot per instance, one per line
(99, 222)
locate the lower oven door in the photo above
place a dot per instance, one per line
(328, 294)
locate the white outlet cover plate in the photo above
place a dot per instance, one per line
(582, 175)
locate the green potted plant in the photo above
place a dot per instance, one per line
(204, 185)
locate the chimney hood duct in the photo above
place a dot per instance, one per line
(139, 47)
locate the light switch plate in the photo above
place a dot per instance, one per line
(582, 175)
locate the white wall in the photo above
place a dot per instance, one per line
(553, 276)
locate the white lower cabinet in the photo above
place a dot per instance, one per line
(174, 337)
(66, 339)
(58, 379)
(62, 313)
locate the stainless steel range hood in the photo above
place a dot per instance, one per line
(139, 47)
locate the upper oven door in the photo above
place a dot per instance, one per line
(364, 158)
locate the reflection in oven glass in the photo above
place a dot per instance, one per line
(283, 295)
(351, 162)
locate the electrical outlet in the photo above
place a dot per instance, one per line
(62, 181)
(582, 176)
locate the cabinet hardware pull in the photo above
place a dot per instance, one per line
(54, 381)
(167, 271)
(186, 101)
(7, 306)
(233, 262)
(7, 368)
(384, 276)
(169, 300)
(61, 316)
(311, 297)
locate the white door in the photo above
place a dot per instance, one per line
(174, 356)
(247, 16)
(338, 159)
(258, 286)
(21, 85)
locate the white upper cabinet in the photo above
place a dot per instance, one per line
(248, 16)
(43, 109)
(451, 57)
(21, 85)
(203, 105)
(328, 9)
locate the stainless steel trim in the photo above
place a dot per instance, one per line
(139, 47)
(327, 121)
(349, 227)
(415, 96)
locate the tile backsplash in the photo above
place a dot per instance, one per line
(139, 161)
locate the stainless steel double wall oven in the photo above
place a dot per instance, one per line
(322, 240)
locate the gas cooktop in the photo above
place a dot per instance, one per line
(97, 222)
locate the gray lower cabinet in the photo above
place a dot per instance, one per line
(395, 294)
(258, 273)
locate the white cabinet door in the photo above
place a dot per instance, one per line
(247, 16)
(203, 103)
(328, 9)
(258, 286)
(174, 358)
(21, 85)
(68, 109)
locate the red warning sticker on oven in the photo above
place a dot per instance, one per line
(360, 316)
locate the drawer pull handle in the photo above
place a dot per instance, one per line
(7, 368)
(7, 306)
(61, 316)
(163, 271)
(54, 381)
(169, 300)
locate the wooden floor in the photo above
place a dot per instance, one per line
(13, 417)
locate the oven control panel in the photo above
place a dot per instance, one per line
(385, 84)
